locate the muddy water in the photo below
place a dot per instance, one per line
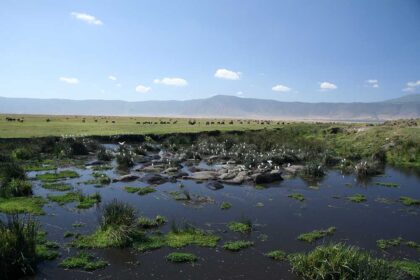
(280, 220)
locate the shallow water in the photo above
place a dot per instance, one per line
(281, 218)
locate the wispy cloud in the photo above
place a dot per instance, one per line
(112, 78)
(86, 18)
(327, 86)
(143, 89)
(227, 74)
(281, 88)
(372, 83)
(239, 93)
(69, 80)
(411, 86)
(178, 82)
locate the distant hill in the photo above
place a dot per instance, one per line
(221, 106)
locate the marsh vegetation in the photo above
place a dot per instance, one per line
(158, 200)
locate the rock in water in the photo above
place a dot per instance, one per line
(268, 177)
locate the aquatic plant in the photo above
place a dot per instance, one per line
(124, 158)
(104, 155)
(83, 260)
(316, 234)
(358, 198)
(297, 196)
(387, 184)
(225, 205)
(188, 235)
(409, 201)
(51, 177)
(411, 268)
(237, 245)
(18, 247)
(388, 243)
(178, 257)
(57, 186)
(338, 261)
(314, 170)
(148, 223)
(13, 205)
(244, 226)
(145, 190)
(277, 255)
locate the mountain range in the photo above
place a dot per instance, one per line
(220, 106)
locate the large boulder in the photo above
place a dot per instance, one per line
(268, 177)
(126, 178)
(240, 177)
(203, 175)
(154, 179)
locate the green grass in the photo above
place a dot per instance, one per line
(225, 205)
(148, 223)
(51, 177)
(297, 196)
(131, 189)
(150, 243)
(277, 255)
(357, 198)
(84, 201)
(83, 260)
(31, 205)
(102, 167)
(36, 126)
(388, 243)
(177, 257)
(242, 227)
(190, 236)
(410, 267)
(39, 167)
(338, 261)
(408, 201)
(238, 245)
(316, 234)
(57, 187)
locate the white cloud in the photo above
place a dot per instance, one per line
(143, 89)
(69, 80)
(281, 88)
(411, 86)
(112, 78)
(239, 93)
(178, 82)
(372, 83)
(327, 86)
(227, 74)
(86, 18)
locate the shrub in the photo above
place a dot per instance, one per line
(338, 261)
(314, 170)
(124, 158)
(115, 214)
(104, 155)
(17, 247)
(19, 187)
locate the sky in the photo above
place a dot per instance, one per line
(295, 50)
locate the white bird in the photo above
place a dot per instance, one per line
(121, 143)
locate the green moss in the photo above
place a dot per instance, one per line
(181, 257)
(385, 184)
(388, 243)
(45, 253)
(83, 260)
(338, 261)
(277, 255)
(178, 195)
(68, 234)
(99, 239)
(237, 245)
(297, 196)
(410, 267)
(50, 177)
(408, 201)
(225, 205)
(242, 227)
(57, 187)
(32, 205)
(147, 223)
(412, 244)
(357, 198)
(64, 198)
(316, 234)
(191, 236)
(39, 167)
(259, 187)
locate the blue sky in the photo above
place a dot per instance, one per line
(335, 50)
